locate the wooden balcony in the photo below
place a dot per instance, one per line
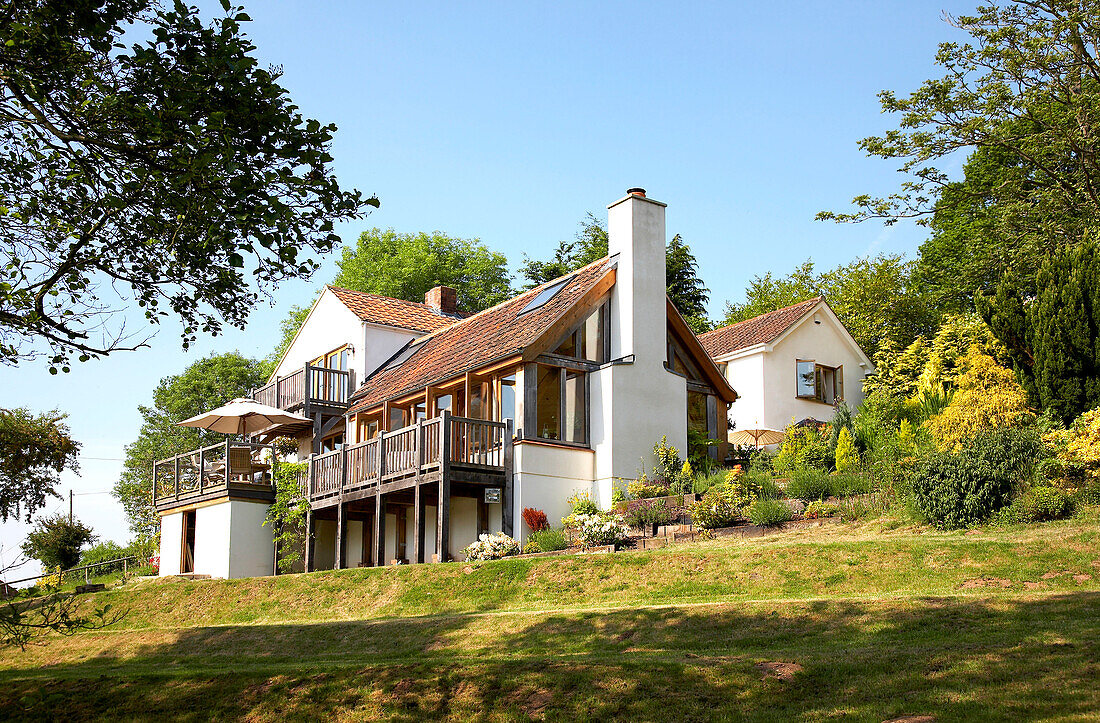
(308, 389)
(228, 469)
(457, 449)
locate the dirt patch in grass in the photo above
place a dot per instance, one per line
(986, 582)
(778, 670)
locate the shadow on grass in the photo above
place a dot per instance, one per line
(989, 659)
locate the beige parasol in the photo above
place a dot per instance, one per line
(242, 416)
(757, 437)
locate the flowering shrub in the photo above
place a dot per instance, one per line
(743, 489)
(155, 561)
(768, 512)
(51, 580)
(817, 510)
(491, 547)
(717, 508)
(601, 528)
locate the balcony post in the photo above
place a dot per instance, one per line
(443, 510)
(308, 562)
(202, 467)
(341, 534)
(307, 388)
(379, 547)
(418, 514)
(227, 447)
(176, 474)
(506, 512)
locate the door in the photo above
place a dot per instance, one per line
(187, 563)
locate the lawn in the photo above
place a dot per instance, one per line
(853, 622)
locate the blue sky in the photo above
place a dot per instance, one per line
(510, 121)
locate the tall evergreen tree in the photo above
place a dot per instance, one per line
(684, 287)
(1053, 337)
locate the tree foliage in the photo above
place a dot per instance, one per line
(204, 385)
(874, 297)
(1023, 96)
(56, 542)
(1051, 334)
(986, 397)
(685, 289)
(408, 265)
(34, 450)
(145, 155)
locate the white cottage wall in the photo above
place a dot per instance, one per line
(330, 324)
(171, 543)
(213, 525)
(746, 375)
(251, 542)
(545, 477)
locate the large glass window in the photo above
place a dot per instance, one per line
(697, 412)
(561, 405)
(548, 403)
(443, 403)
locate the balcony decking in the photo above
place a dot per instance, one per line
(308, 389)
(203, 475)
(459, 449)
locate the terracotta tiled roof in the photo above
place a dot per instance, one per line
(758, 330)
(495, 333)
(392, 312)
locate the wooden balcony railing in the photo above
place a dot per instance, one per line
(210, 469)
(310, 385)
(414, 450)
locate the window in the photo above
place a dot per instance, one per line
(679, 360)
(697, 412)
(548, 403)
(561, 404)
(402, 356)
(506, 397)
(333, 443)
(819, 382)
(545, 295)
(443, 403)
(589, 340)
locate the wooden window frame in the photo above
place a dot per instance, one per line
(838, 382)
(530, 405)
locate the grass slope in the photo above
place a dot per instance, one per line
(993, 626)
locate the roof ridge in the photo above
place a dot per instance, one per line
(533, 289)
(814, 299)
(334, 287)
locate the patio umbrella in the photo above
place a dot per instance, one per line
(757, 437)
(242, 416)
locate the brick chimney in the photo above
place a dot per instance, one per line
(443, 299)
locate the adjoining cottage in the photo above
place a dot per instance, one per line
(459, 423)
(788, 365)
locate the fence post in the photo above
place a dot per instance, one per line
(202, 468)
(227, 448)
(176, 474)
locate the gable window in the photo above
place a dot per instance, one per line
(590, 340)
(819, 382)
(561, 404)
(506, 398)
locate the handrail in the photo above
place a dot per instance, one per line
(75, 569)
(310, 384)
(190, 479)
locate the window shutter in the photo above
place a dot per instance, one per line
(806, 381)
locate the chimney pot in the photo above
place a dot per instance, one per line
(636, 192)
(443, 299)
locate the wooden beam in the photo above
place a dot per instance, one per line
(466, 396)
(570, 317)
(694, 347)
(341, 537)
(506, 511)
(443, 509)
(530, 400)
(379, 531)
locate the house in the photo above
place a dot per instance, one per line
(788, 365)
(459, 423)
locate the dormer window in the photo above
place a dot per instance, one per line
(545, 295)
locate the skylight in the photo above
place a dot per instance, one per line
(545, 295)
(402, 356)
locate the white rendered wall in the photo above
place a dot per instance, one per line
(746, 375)
(545, 477)
(330, 324)
(212, 539)
(251, 542)
(379, 343)
(463, 525)
(825, 343)
(634, 405)
(171, 543)
(355, 542)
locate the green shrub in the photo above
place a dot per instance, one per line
(642, 489)
(103, 552)
(548, 540)
(653, 513)
(761, 461)
(768, 512)
(1044, 503)
(1088, 493)
(531, 547)
(802, 449)
(817, 510)
(717, 508)
(704, 482)
(768, 488)
(848, 484)
(582, 504)
(809, 484)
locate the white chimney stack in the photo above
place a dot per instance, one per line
(636, 234)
